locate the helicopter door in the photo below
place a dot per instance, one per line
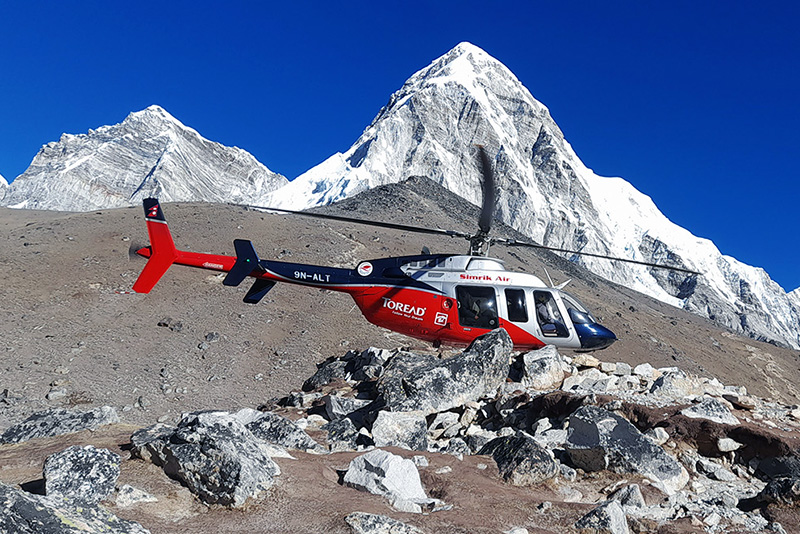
(548, 316)
(477, 306)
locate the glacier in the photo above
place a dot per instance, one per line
(150, 153)
(431, 126)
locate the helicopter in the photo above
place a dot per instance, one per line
(444, 299)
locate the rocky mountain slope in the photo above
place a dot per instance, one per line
(430, 128)
(150, 153)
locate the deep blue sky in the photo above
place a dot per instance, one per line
(695, 103)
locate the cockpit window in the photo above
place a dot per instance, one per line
(548, 316)
(577, 311)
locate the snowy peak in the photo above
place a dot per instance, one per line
(150, 153)
(431, 126)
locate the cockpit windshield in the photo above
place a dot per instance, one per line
(577, 311)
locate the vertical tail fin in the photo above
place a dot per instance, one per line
(162, 246)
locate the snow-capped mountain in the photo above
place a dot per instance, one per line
(150, 153)
(3, 187)
(430, 127)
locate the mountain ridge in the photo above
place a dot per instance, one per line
(150, 153)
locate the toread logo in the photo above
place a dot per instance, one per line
(365, 268)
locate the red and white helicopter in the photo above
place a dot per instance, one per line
(440, 298)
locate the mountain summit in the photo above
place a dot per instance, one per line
(150, 153)
(431, 127)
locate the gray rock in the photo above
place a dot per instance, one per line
(25, 513)
(608, 518)
(337, 406)
(213, 453)
(629, 497)
(342, 435)
(457, 447)
(363, 523)
(279, 430)
(542, 369)
(85, 473)
(327, 372)
(714, 470)
(520, 460)
(675, 385)
(599, 439)
(444, 425)
(712, 410)
(382, 473)
(59, 421)
(438, 386)
(781, 490)
(407, 430)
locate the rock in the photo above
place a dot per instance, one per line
(629, 497)
(279, 430)
(520, 460)
(363, 523)
(59, 421)
(457, 447)
(213, 453)
(542, 369)
(622, 369)
(675, 385)
(128, 496)
(645, 370)
(407, 430)
(438, 386)
(781, 490)
(728, 445)
(444, 425)
(599, 439)
(26, 513)
(711, 409)
(342, 435)
(585, 360)
(382, 473)
(85, 473)
(658, 435)
(741, 401)
(608, 518)
(337, 406)
(327, 372)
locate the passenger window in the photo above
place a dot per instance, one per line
(515, 301)
(549, 317)
(477, 306)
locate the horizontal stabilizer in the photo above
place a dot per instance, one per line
(246, 262)
(260, 288)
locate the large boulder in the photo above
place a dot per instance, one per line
(213, 453)
(59, 421)
(599, 439)
(520, 460)
(382, 473)
(87, 474)
(25, 513)
(712, 410)
(438, 385)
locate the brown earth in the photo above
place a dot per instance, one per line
(68, 321)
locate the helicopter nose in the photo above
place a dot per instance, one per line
(595, 336)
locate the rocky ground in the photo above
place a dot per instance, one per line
(71, 337)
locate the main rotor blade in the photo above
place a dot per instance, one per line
(488, 185)
(392, 226)
(515, 243)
